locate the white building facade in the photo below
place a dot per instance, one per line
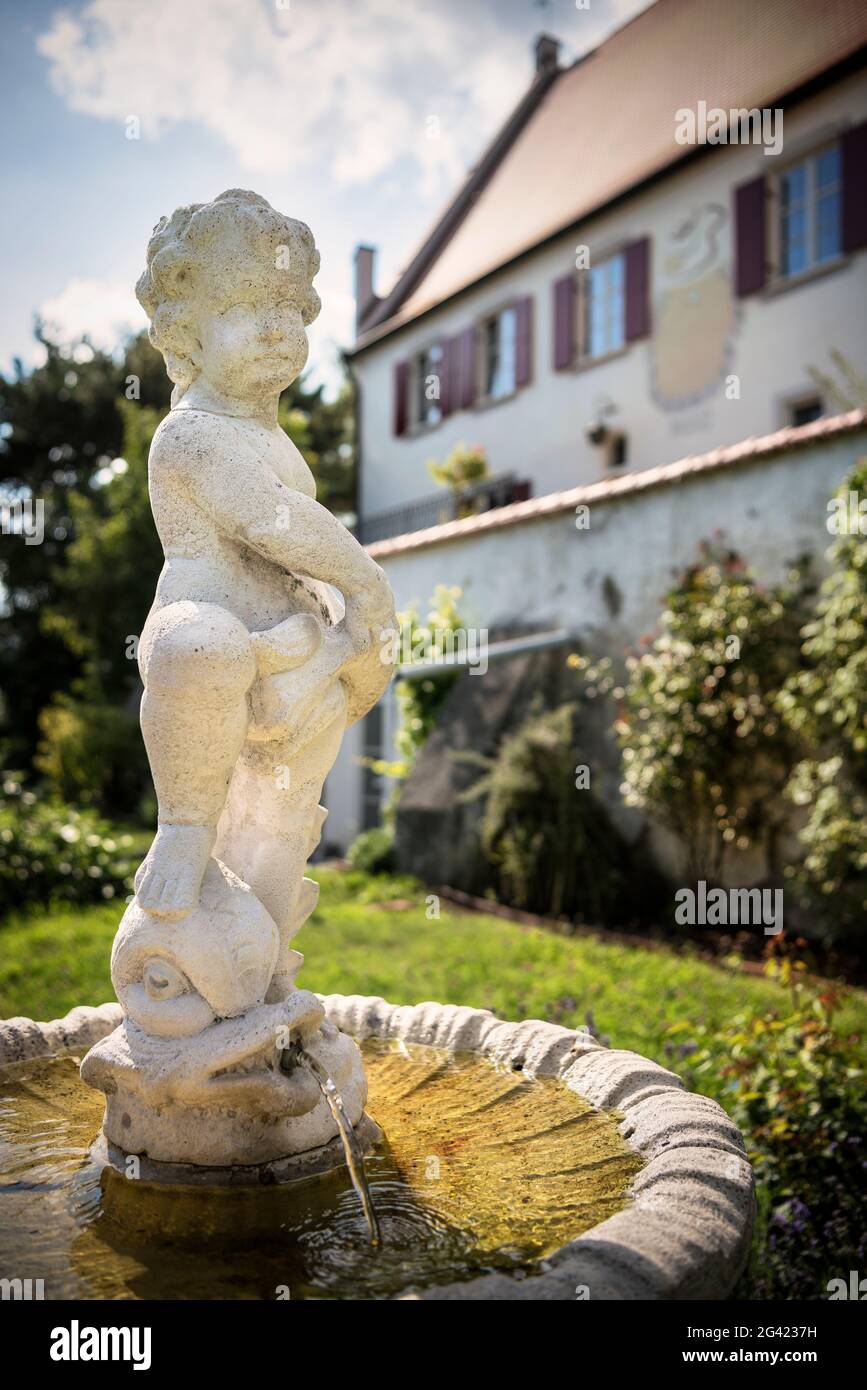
(691, 297)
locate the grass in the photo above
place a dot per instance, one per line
(372, 936)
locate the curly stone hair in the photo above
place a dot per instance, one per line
(181, 247)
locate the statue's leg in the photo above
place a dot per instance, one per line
(197, 666)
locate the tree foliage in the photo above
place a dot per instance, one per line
(61, 427)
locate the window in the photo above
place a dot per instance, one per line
(499, 355)
(802, 412)
(428, 386)
(602, 309)
(619, 453)
(809, 213)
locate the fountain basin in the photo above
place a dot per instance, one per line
(682, 1201)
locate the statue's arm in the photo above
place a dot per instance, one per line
(247, 501)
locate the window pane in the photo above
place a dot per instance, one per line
(794, 186)
(595, 325)
(617, 318)
(828, 167)
(810, 212)
(828, 227)
(492, 356)
(794, 242)
(504, 381)
(604, 315)
(500, 337)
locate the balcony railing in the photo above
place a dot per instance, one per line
(444, 506)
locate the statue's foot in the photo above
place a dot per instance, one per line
(169, 881)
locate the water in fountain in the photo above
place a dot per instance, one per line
(294, 1054)
(495, 1170)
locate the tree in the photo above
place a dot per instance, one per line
(91, 749)
(60, 428)
(324, 432)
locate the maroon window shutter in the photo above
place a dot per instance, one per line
(467, 342)
(853, 150)
(750, 237)
(401, 397)
(564, 322)
(523, 340)
(637, 274)
(447, 397)
(455, 374)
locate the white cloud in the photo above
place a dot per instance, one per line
(102, 311)
(334, 83)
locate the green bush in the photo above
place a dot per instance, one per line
(419, 701)
(372, 851)
(93, 755)
(50, 852)
(825, 703)
(794, 1085)
(552, 846)
(705, 750)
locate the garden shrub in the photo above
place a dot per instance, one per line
(795, 1087)
(419, 701)
(552, 846)
(825, 703)
(464, 466)
(372, 851)
(705, 749)
(50, 852)
(93, 754)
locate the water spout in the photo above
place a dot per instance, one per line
(290, 1058)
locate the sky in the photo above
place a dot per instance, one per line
(117, 111)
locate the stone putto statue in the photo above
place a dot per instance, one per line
(269, 633)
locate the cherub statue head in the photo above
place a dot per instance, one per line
(228, 289)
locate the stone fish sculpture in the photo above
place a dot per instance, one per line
(269, 633)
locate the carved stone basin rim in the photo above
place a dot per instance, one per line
(687, 1231)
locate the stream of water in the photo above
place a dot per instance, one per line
(351, 1147)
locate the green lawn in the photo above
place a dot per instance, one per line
(357, 944)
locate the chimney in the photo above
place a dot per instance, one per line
(547, 51)
(364, 295)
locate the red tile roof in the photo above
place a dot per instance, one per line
(611, 489)
(608, 123)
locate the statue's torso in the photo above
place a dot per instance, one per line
(205, 564)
